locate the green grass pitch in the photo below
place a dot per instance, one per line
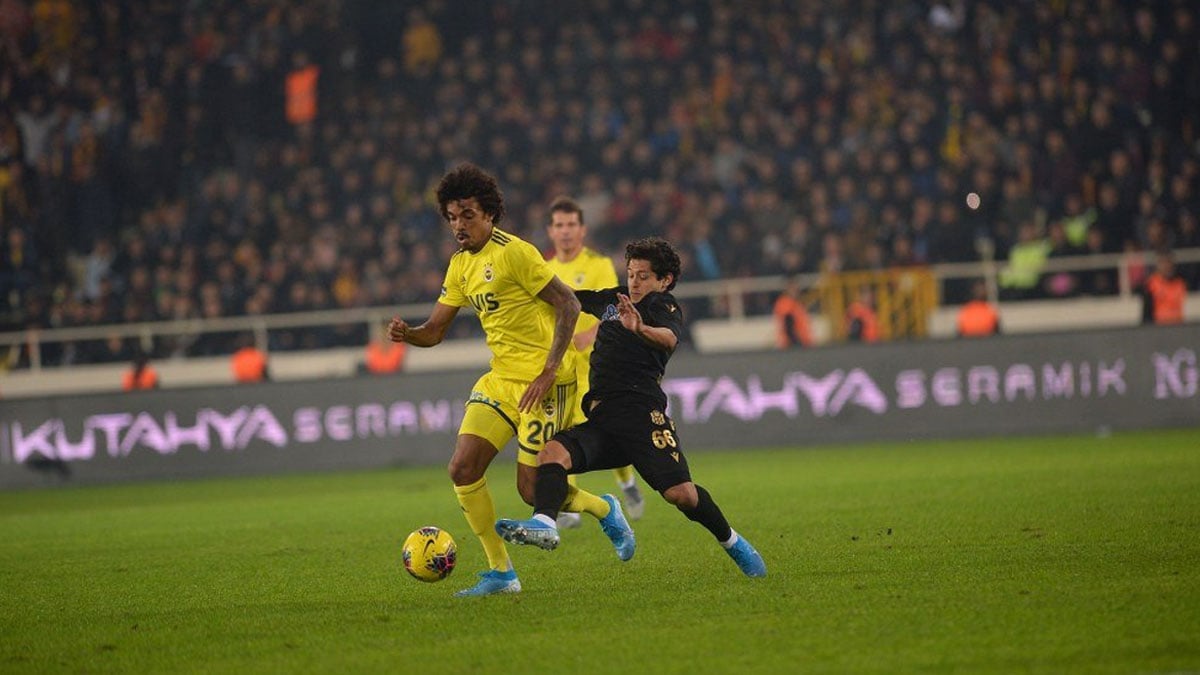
(1052, 555)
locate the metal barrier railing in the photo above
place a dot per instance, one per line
(729, 294)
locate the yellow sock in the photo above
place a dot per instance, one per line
(624, 475)
(572, 480)
(480, 511)
(582, 501)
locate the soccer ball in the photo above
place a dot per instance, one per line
(429, 554)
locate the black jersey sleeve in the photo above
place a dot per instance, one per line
(597, 302)
(661, 309)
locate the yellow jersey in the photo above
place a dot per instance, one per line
(589, 271)
(501, 282)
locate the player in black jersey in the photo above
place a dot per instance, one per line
(640, 325)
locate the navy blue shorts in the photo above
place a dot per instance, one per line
(628, 430)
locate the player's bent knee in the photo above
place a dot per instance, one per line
(465, 470)
(555, 453)
(682, 496)
(462, 473)
(472, 456)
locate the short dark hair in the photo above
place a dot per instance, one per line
(466, 181)
(659, 253)
(565, 204)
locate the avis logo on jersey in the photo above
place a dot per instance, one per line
(484, 302)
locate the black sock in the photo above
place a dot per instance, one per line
(708, 514)
(550, 489)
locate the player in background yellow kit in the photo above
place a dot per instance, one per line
(581, 268)
(528, 316)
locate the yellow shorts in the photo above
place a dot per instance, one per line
(492, 414)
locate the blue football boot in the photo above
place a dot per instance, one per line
(532, 532)
(617, 529)
(492, 582)
(747, 558)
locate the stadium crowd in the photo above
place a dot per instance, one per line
(165, 160)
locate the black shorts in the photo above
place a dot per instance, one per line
(628, 430)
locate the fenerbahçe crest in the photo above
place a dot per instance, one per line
(488, 274)
(548, 406)
(657, 418)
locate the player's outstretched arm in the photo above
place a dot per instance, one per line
(566, 312)
(655, 336)
(427, 334)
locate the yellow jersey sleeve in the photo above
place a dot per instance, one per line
(528, 266)
(452, 286)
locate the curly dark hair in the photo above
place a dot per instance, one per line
(466, 181)
(659, 253)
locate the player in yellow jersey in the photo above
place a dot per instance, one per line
(584, 269)
(528, 316)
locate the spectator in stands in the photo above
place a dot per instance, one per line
(113, 349)
(1189, 237)
(1164, 293)
(1098, 281)
(141, 375)
(979, 317)
(1077, 220)
(422, 43)
(384, 357)
(301, 88)
(1060, 284)
(1019, 280)
(791, 318)
(626, 104)
(249, 363)
(18, 267)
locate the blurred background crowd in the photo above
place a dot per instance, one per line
(162, 159)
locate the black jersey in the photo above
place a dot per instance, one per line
(622, 362)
